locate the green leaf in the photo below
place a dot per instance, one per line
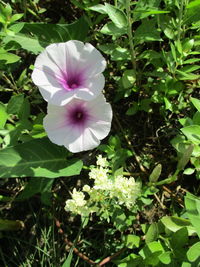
(99, 8)
(133, 109)
(147, 32)
(196, 118)
(128, 78)
(35, 36)
(16, 17)
(151, 253)
(3, 115)
(116, 52)
(15, 104)
(132, 241)
(8, 58)
(194, 3)
(174, 223)
(152, 233)
(131, 260)
(24, 112)
(154, 176)
(194, 252)
(34, 186)
(165, 257)
(188, 45)
(37, 158)
(192, 12)
(186, 76)
(192, 132)
(185, 158)
(192, 204)
(196, 103)
(179, 238)
(116, 15)
(189, 171)
(111, 29)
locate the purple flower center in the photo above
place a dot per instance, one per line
(77, 115)
(71, 81)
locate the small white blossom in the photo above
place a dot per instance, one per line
(86, 188)
(125, 190)
(102, 161)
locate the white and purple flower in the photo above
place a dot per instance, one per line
(79, 125)
(64, 71)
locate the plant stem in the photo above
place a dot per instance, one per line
(180, 20)
(130, 35)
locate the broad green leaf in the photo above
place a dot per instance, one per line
(193, 3)
(192, 204)
(116, 52)
(111, 29)
(132, 241)
(192, 12)
(192, 132)
(116, 15)
(174, 223)
(196, 118)
(152, 233)
(179, 238)
(15, 104)
(165, 257)
(194, 252)
(37, 158)
(34, 186)
(35, 36)
(3, 115)
(196, 103)
(187, 45)
(151, 252)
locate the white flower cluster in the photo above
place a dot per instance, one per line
(119, 190)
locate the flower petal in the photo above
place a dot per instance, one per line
(92, 60)
(93, 88)
(71, 69)
(86, 141)
(79, 125)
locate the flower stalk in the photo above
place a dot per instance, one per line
(130, 35)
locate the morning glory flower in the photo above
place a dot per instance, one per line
(67, 70)
(79, 125)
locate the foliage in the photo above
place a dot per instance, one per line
(152, 83)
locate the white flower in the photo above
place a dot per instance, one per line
(102, 161)
(67, 70)
(79, 125)
(125, 190)
(86, 188)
